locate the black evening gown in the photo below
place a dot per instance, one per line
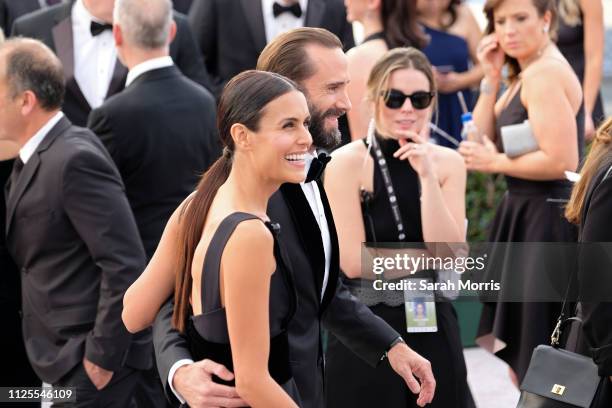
(530, 211)
(350, 382)
(570, 41)
(207, 333)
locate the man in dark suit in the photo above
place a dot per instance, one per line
(160, 130)
(11, 10)
(312, 244)
(91, 69)
(71, 232)
(232, 33)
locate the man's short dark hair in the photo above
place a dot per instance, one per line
(32, 66)
(286, 54)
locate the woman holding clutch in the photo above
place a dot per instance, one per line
(542, 89)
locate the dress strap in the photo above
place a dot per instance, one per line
(374, 36)
(210, 292)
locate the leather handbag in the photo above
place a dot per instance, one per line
(558, 378)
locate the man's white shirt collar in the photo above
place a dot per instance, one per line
(31, 145)
(150, 65)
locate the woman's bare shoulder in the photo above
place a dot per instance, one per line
(447, 158)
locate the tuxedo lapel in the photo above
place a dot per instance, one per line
(314, 13)
(254, 16)
(308, 230)
(29, 170)
(334, 265)
(63, 40)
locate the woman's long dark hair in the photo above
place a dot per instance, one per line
(400, 24)
(243, 101)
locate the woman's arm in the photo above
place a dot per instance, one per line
(442, 176)
(468, 28)
(592, 17)
(491, 57)
(246, 267)
(443, 203)
(342, 182)
(553, 126)
(144, 298)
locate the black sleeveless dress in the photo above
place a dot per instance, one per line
(530, 211)
(350, 382)
(570, 41)
(207, 333)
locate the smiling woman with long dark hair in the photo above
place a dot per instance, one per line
(233, 291)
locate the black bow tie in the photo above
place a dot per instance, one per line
(317, 167)
(294, 9)
(97, 28)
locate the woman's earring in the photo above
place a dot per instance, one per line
(545, 29)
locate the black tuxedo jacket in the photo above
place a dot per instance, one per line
(71, 232)
(11, 10)
(53, 26)
(161, 133)
(231, 33)
(351, 321)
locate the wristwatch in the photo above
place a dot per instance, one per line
(398, 340)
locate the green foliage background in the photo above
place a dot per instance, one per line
(483, 194)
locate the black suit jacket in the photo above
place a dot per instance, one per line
(594, 272)
(231, 33)
(351, 321)
(53, 26)
(161, 133)
(71, 232)
(11, 10)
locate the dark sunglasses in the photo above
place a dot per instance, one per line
(395, 99)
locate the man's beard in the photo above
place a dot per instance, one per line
(322, 138)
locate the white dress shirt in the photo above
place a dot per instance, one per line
(149, 65)
(94, 57)
(31, 145)
(284, 22)
(313, 195)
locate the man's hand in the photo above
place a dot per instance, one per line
(98, 376)
(408, 364)
(194, 383)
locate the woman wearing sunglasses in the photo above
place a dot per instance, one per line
(426, 185)
(543, 90)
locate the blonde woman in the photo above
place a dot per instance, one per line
(429, 186)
